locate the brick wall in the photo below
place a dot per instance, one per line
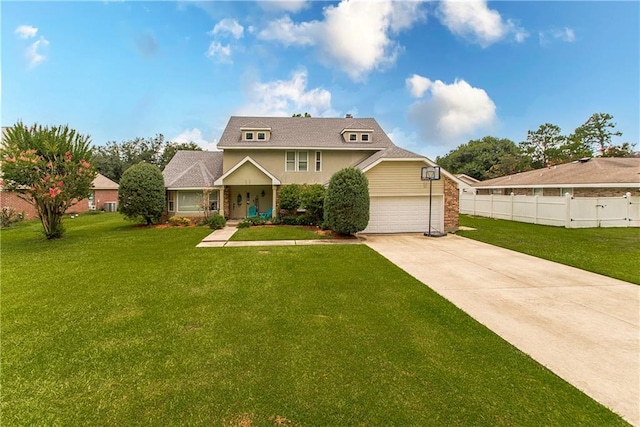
(101, 197)
(605, 192)
(451, 206)
(11, 199)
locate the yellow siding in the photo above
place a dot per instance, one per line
(274, 162)
(400, 178)
(247, 174)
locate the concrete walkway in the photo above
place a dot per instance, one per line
(582, 326)
(220, 238)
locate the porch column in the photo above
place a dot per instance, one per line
(274, 188)
(221, 200)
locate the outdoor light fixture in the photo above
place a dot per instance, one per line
(262, 194)
(430, 173)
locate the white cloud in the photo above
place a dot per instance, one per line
(286, 97)
(451, 111)
(475, 22)
(565, 34)
(228, 26)
(195, 135)
(25, 31)
(355, 36)
(293, 6)
(219, 52)
(417, 85)
(33, 55)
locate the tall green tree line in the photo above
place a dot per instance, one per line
(491, 157)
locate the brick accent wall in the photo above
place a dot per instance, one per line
(101, 197)
(11, 199)
(227, 201)
(451, 206)
(605, 192)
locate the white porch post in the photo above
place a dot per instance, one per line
(273, 199)
(221, 200)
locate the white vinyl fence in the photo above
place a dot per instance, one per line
(563, 211)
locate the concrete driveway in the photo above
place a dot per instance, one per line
(583, 326)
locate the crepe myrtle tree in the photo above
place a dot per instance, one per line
(346, 204)
(49, 167)
(141, 194)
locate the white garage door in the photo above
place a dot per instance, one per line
(405, 214)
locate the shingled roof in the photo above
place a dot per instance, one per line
(193, 169)
(390, 153)
(303, 132)
(101, 182)
(599, 170)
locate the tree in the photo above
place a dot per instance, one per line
(346, 205)
(114, 158)
(485, 158)
(623, 150)
(312, 199)
(597, 132)
(307, 115)
(141, 194)
(49, 167)
(543, 145)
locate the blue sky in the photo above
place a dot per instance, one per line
(434, 74)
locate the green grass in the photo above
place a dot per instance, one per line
(613, 252)
(121, 325)
(276, 232)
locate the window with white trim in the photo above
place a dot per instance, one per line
(364, 137)
(353, 137)
(290, 161)
(303, 161)
(248, 136)
(262, 136)
(318, 161)
(189, 201)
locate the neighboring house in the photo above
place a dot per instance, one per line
(104, 191)
(104, 194)
(597, 177)
(466, 183)
(261, 154)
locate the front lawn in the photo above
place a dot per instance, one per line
(277, 232)
(121, 325)
(613, 252)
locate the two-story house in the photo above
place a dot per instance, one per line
(260, 155)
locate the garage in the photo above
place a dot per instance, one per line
(402, 214)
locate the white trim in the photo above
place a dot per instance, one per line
(327, 147)
(191, 188)
(295, 161)
(315, 161)
(356, 130)
(254, 128)
(220, 181)
(560, 185)
(298, 164)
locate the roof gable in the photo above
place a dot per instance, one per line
(193, 169)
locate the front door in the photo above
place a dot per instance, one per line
(240, 202)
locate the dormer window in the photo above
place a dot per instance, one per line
(352, 135)
(258, 133)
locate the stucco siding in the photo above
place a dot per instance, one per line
(395, 178)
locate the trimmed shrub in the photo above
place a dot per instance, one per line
(178, 220)
(141, 194)
(216, 222)
(312, 199)
(346, 205)
(290, 197)
(10, 216)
